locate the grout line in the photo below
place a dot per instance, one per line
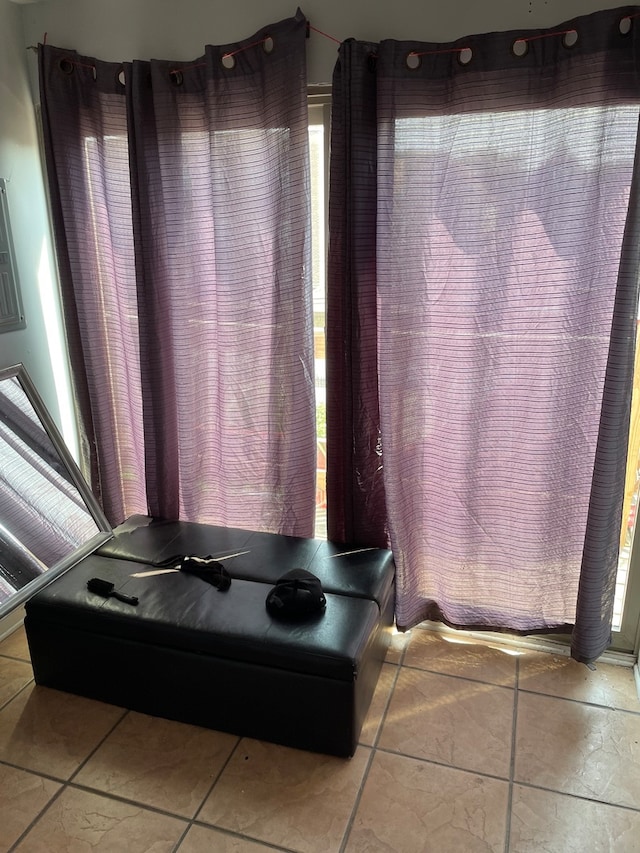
(119, 798)
(356, 804)
(232, 752)
(14, 658)
(35, 820)
(196, 821)
(523, 689)
(512, 766)
(270, 845)
(374, 747)
(403, 654)
(178, 843)
(581, 797)
(383, 715)
(125, 713)
(65, 784)
(189, 822)
(16, 694)
(385, 710)
(41, 774)
(110, 795)
(580, 702)
(459, 677)
(437, 763)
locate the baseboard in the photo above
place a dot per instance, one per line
(11, 622)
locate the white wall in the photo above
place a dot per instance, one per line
(37, 346)
(120, 30)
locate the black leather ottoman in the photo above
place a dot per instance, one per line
(189, 652)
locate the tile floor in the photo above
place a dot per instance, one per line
(467, 747)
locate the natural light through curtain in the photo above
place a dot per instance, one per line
(515, 222)
(180, 201)
(483, 288)
(317, 154)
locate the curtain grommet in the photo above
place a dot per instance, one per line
(66, 65)
(465, 55)
(625, 25)
(268, 45)
(120, 76)
(176, 77)
(570, 38)
(413, 61)
(520, 48)
(228, 61)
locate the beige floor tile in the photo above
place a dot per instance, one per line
(14, 675)
(300, 800)
(452, 655)
(15, 645)
(555, 675)
(53, 732)
(80, 820)
(409, 805)
(378, 704)
(451, 720)
(542, 820)
(22, 797)
(578, 749)
(201, 839)
(159, 763)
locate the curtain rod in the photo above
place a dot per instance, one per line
(310, 29)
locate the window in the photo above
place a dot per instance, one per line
(319, 117)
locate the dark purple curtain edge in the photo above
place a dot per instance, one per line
(356, 507)
(594, 611)
(89, 462)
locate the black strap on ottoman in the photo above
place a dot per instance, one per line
(205, 568)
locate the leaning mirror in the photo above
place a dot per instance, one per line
(49, 518)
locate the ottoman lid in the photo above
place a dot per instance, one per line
(263, 557)
(181, 611)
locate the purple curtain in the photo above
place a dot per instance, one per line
(180, 197)
(356, 507)
(504, 257)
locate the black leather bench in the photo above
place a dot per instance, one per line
(218, 659)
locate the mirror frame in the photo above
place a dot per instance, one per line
(103, 532)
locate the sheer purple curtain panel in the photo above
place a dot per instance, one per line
(506, 276)
(219, 287)
(84, 121)
(221, 207)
